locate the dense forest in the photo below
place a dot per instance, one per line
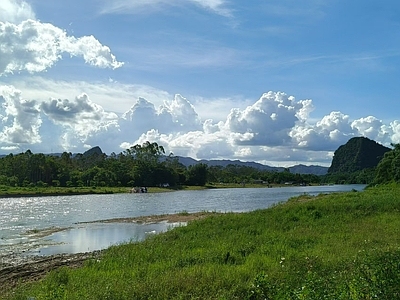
(388, 169)
(140, 165)
(147, 165)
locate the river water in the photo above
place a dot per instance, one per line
(24, 220)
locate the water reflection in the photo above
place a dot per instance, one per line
(98, 236)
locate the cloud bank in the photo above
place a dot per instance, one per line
(275, 129)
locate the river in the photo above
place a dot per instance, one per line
(25, 220)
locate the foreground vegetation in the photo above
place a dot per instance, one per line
(337, 246)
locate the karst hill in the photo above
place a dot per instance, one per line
(357, 154)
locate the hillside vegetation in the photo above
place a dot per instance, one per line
(337, 246)
(357, 154)
(388, 169)
(355, 162)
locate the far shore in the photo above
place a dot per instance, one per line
(15, 192)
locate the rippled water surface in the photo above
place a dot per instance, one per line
(20, 216)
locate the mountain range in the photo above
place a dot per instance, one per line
(300, 169)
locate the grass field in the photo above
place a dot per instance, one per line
(336, 246)
(7, 191)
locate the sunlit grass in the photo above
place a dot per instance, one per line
(43, 191)
(8, 191)
(337, 246)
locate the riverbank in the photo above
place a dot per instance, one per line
(12, 192)
(336, 246)
(33, 268)
(17, 268)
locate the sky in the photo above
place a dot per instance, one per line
(280, 82)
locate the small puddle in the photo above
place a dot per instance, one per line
(98, 236)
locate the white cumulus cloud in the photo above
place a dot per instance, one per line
(332, 130)
(33, 46)
(81, 115)
(395, 127)
(20, 118)
(173, 116)
(372, 128)
(15, 11)
(105, 93)
(269, 120)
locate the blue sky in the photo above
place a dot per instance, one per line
(279, 82)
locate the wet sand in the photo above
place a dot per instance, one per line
(18, 268)
(37, 267)
(170, 218)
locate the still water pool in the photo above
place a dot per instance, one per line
(23, 219)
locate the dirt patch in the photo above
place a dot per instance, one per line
(38, 266)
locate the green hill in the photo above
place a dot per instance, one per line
(357, 154)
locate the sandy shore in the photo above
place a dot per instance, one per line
(16, 268)
(170, 218)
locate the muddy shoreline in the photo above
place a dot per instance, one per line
(38, 266)
(170, 218)
(18, 268)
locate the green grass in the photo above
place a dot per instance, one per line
(6, 191)
(337, 246)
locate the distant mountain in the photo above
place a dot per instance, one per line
(357, 154)
(188, 161)
(251, 164)
(300, 169)
(94, 150)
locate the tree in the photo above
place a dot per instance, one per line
(197, 175)
(65, 166)
(146, 158)
(177, 171)
(147, 152)
(388, 169)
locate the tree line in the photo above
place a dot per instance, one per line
(388, 169)
(140, 165)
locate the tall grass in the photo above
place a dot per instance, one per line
(337, 246)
